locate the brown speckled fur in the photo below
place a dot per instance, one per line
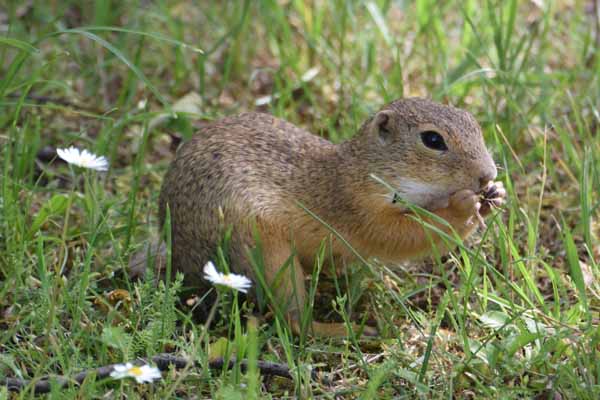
(254, 168)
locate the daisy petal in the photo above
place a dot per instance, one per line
(210, 272)
(83, 158)
(141, 374)
(233, 281)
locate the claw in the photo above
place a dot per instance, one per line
(492, 197)
(490, 193)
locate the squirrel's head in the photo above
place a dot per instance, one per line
(426, 151)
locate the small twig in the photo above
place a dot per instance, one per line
(162, 361)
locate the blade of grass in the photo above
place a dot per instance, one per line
(107, 45)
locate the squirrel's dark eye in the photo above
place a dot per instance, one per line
(433, 140)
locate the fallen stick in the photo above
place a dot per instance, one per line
(162, 361)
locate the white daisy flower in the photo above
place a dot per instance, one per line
(234, 281)
(83, 158)
(142, 374)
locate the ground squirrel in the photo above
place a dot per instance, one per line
(251, 171)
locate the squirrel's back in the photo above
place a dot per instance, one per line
(254, 162)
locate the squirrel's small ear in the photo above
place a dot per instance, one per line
(382, 125)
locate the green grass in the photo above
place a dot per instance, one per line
(513, 313)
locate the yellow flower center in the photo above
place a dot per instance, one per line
(136, 371)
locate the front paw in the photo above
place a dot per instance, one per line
(493, 196)
(464, 204)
